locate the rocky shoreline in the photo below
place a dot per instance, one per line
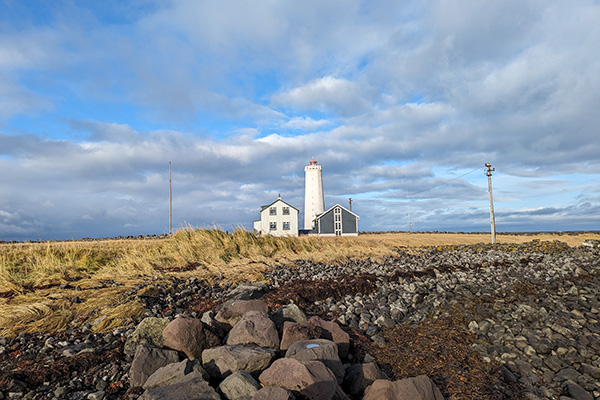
(531, 312)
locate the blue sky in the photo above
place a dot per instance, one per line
(395, 100)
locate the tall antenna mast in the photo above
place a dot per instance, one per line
(170, 203)
(492, 217)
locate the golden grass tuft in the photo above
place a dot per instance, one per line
(34, 317)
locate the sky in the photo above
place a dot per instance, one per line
(401, 102)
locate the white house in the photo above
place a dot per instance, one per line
(277, 219)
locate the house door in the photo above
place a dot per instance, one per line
(337, 219)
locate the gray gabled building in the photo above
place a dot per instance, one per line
(337, 221)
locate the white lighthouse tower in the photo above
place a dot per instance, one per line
(314, 203)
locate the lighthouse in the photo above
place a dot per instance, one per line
(314, 203)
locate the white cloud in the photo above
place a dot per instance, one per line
(305, 123)
(326, 94)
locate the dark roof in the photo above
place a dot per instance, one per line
(279, 199)
(331, 208)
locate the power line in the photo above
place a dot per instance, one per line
(432, 187)
(442, 184)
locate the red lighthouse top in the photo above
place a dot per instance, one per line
(313, 161)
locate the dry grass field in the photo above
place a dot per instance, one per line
(48, 286)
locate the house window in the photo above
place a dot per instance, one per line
(286, 226)
(273, 226)
(337, 218)
(273, 211)
(286, 211)
(337, 214)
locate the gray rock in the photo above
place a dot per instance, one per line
(290, 313)
(554, 363)
(385, 322)
(149, 332)
(146, 361)
(239, 384)
(322, 350)
(577, 392)
(231, 312)
(592, 371)
(566, 374)
(99, 395)
(360, 376)
(172, 372)
(190, 387)
(247, 291)
(222, 361)
(507, 375)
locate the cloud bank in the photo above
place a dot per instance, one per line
(394, 100)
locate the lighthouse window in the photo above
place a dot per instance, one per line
(286, 226)
(286, 211)
(273, 211)
(273, 226)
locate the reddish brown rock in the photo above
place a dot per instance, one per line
(418, 388)
(311, 379)
(293, 332)
(255, 327)
(190, 336)
(333, 332)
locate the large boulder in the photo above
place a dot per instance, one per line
(360, 376)
(255, 327)
(149, 332)
(146, 361)
(322, 350)
(239, 384)
(231, 312)
(190, 387)
(417, 388)
(312, 379)
(222, 361)
(333, 332)
(172, 372)
(190, 336)
(293, 331)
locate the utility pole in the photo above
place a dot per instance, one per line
(492, 218)
(350, 201)
(170, 203)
